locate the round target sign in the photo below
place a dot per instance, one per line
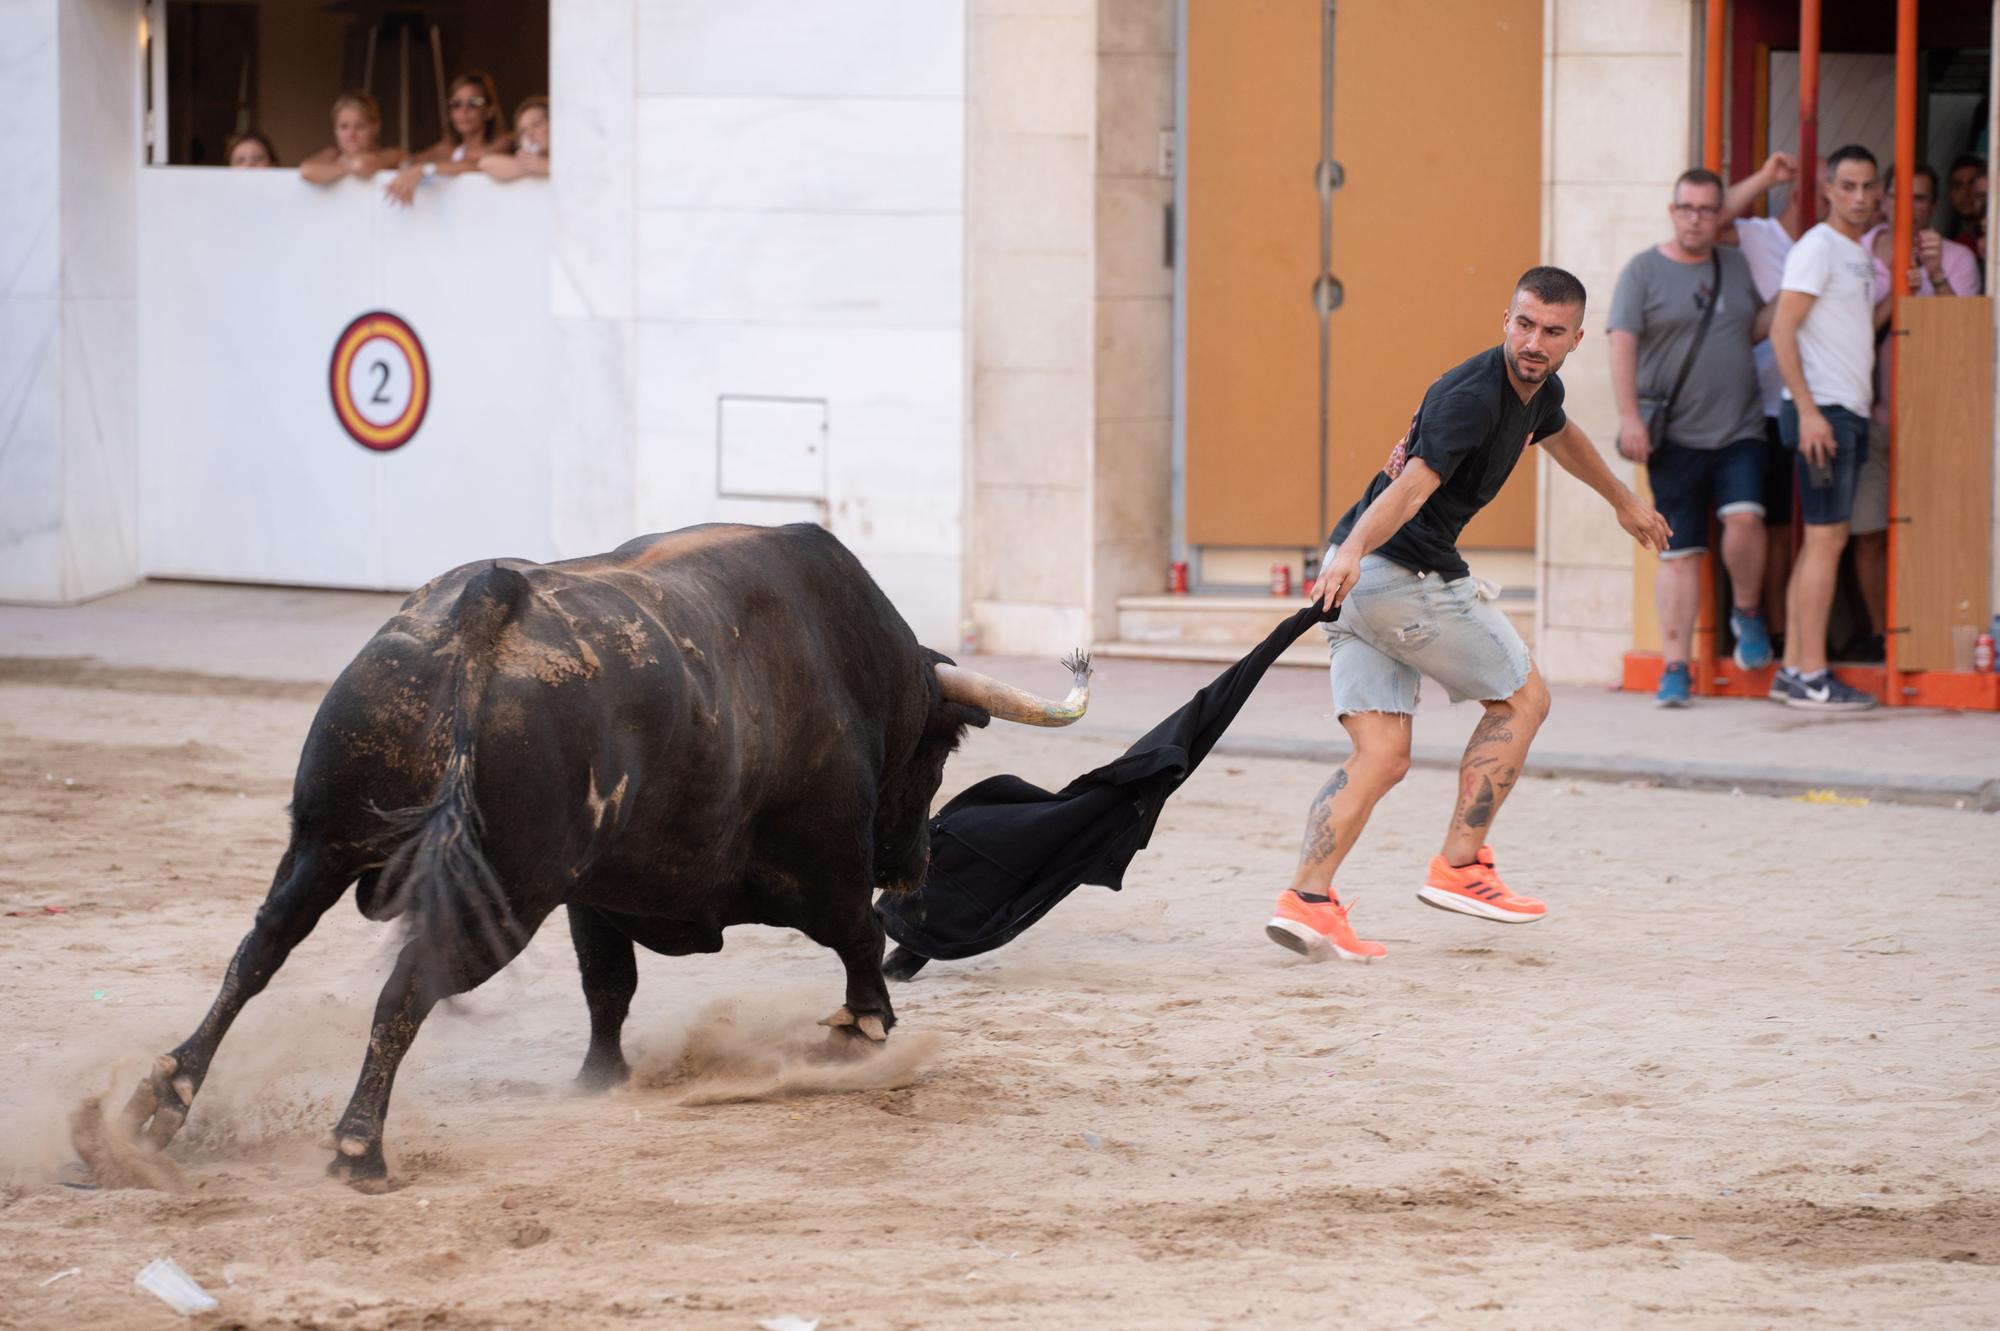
(380, 381)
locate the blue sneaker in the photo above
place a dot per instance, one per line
(1753, 640)
(1823, 693)
(1676, 686)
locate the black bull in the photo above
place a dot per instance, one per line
(724, 725)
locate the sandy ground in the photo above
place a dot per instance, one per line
(1745, 1075)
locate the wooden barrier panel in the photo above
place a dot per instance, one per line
(1944, 476)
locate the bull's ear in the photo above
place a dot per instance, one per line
(963, 715)
(955, 715)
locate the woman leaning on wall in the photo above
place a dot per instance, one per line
(530, 156)
(474, 127)
(356, 149)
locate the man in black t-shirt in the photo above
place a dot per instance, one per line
(1410, 608)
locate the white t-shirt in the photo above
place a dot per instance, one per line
(1764, 245)
(1837, 340)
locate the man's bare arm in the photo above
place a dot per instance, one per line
(1378, 522)
(1778, 169)
(1633, 442)
(1575, 454)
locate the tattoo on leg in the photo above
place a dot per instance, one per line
(1481, 812)
(1493, 728)
(1319, 842)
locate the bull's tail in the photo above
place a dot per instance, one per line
(455, 906)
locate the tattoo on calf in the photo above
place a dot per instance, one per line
(1319, 841)
(1481, 812)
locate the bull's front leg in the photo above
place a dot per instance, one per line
(867, 1015)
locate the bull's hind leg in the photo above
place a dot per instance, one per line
(604, 956)
(307, 882)
(424, 976)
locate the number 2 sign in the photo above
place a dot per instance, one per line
(380, 380)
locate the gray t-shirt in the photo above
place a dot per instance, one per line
(1660, 302)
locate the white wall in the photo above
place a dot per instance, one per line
(776, 211)
(68, 97)
(246, 280)
(1615, 95)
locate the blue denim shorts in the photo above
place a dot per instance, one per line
(1396, 626)
(1825, 505)
(1691, 483)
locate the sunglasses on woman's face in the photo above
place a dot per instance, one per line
(468, 103)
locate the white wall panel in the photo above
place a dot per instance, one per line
(821, 48)
(793, 153)
(246, 281)
(29, 156)
(901, 382)
(802, 268)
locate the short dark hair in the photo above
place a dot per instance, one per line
(1963, 160)
(1701, 176)
(1852, 152)
(1924, 169)
(1552, 286)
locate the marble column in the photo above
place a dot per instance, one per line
(592, 53)
(69, 81)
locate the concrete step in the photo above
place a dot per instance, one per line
(1201, 619)
(1223, 628)
(1310, 651)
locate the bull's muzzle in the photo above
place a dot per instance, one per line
(1007, 703)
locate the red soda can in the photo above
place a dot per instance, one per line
(1177, 583)
(1982, 653)
(1281, 579)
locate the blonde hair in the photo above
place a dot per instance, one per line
(361, 102)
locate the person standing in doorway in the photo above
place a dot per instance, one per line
(1683, 320)
(1825, 338)
(1410, 608)
(1764, 242)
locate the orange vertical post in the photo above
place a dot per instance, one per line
(1808, 113)
(1701, 651)
(1899, 290)
(1712, 74)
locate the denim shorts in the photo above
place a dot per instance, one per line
(1871, 487)
(1396, 626)
(1691, 483)
(1778, 467)
(1826, 505)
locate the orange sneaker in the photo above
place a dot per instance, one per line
(1476, 889)
(1316, 928)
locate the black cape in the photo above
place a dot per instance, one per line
(1005, 851)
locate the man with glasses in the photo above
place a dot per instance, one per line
(1684, 317)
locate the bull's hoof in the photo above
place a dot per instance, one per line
(902, 965)
(602, 1074)
(358, 1163)
(159, 1105)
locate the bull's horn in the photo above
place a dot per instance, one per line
(1008, 703)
